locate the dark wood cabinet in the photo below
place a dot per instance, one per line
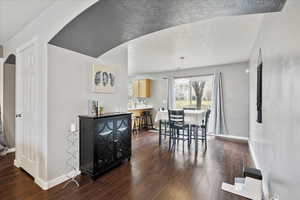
(105, 142)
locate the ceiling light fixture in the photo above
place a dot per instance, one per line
(181, 62)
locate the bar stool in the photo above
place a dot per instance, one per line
(146, 120)
(135, 124)
(149, 122)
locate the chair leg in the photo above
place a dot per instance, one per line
(146, 122)
(205, 138)
(135, 126)
(165, 123)
(196, 139)
(139, 123)
(189, 136)
(170, 139)
(151, 122)
(175, 135)
(202, 135)
(143, 122)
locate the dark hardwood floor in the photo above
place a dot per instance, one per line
(154, 173)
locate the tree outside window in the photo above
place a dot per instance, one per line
(193, 92)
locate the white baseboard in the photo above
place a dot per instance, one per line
(16, 164)
(232, 137)
(41, 183)
(46, 185)
(257, 166)
(62, 178)
(56, 181)
(253, 156)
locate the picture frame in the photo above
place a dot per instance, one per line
(103, 79)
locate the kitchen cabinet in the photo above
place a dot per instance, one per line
(142, 88)
(136, 89)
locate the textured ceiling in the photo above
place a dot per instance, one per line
(211, 42)
(110, 23)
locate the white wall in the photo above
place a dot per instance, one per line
(69, 88)
(276, 142)
(159, 94)
(236, 92)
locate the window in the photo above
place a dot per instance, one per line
(193, 92)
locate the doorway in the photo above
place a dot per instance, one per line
(9, 101)
(28, 108)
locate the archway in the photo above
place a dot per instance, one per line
(108, 24)
(8, 102)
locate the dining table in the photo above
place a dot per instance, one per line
(191, 117)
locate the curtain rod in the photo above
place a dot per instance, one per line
(192, 76)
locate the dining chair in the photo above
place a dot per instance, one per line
(164, 127)
(202, 129)
(178, 127)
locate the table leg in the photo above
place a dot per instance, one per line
(189, 136)
(160, 121)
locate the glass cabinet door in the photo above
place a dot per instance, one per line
(104, 143)
(122, 138)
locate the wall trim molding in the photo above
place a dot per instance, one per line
(44, 101)
(46, 185)
(41, 183)
(256, 164)
(232, 138)
(16, 163)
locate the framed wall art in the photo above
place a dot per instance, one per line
(103, 79)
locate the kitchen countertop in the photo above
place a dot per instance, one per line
(141, 108)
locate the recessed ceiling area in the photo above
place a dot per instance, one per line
(109, 23)
(209, 42)
(16, 14)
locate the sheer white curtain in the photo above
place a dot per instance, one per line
(217, 122)
(171, 93)
(3, 148)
